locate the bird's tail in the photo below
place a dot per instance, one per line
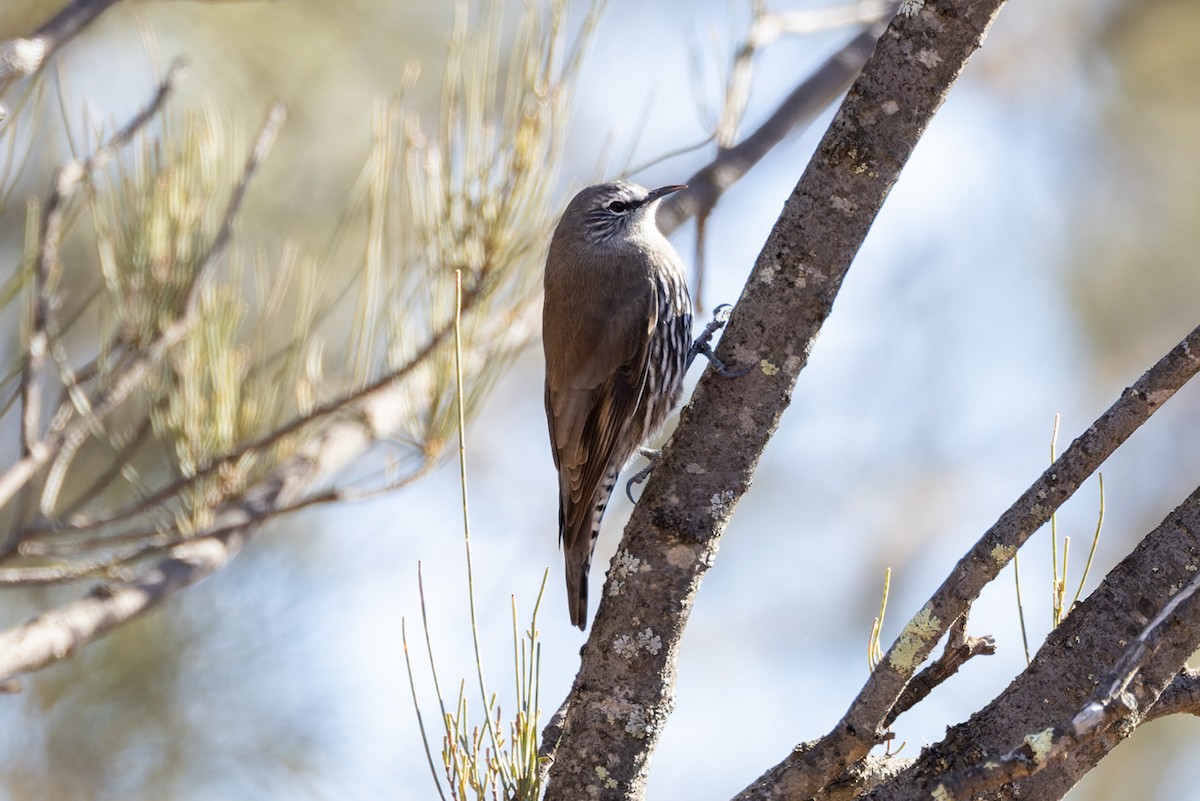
(578, 546)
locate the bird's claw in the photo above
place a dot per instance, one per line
(637, 478)
(719, 366)
(701, 346)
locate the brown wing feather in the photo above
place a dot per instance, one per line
(596, 367)
(591, 396)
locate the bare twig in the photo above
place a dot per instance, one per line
(1182, 696)
(322, 412)
(54, 635)
(24, 56)
(66, 180)
(959, 649)
(36, 450)
(767, 27)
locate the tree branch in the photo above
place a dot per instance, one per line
(959, 649)
(863, 723)
(54, 635)
(1111, 701)
(1181, 697)
(623, 693)
(26, 55)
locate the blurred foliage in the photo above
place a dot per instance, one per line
(337, 280)
(1134, 278)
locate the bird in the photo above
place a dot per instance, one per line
(617, 336)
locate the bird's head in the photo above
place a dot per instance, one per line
(616, 211)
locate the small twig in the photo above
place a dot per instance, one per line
(771, 26)
(66, 180)
(24, 56)
(278, 434)
(1087, 566)
(412, 686)
(134, 545)
(959, 649)
(36, 450)
(1181, 696)
(122, 458)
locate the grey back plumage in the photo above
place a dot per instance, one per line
(616, 332)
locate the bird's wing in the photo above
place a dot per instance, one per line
(595, 374)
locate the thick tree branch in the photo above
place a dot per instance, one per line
(623, 692)
(1111, 701)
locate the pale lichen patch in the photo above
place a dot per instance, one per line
(680, 557)
(1040, 744)
(940, 793)
(1003, 554)
(845, 205)
(605, 778)
(922, 630)
(928, 58)
(719, 502)
(638, 724)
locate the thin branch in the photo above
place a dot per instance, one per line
(36, 451)
(773, 25)
(1181, 697)
(121, 458)
(24, 56)
(766, 28)
(66, 180)
(959, 649)
(276, 435)
(811, 97)
(54, 635)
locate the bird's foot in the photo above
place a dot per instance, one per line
(653, 456)
(701, 346)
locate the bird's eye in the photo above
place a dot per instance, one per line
(619, 206)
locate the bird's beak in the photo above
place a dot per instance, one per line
(663, 191)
